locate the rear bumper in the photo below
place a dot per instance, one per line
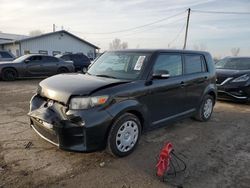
(66, 130)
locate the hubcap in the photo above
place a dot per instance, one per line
(208, 107)
(10, 75)
(127, 136)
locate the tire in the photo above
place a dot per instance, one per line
(206, 109)
(124, 135)
(9, 74)
(62, 70)
(84, 70)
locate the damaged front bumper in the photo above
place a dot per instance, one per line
(74, 130)
(234, 93)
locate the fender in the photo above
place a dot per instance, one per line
(211, 88)
(132, 106)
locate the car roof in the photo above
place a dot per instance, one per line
(161, 50)
(30, 55)
(238, 57)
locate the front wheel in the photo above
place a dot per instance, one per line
(62, 70)
(84, 70)
(124, 135)
(9, 74)
(206, 109)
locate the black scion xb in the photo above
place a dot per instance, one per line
(121, 95)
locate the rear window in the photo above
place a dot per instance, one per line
(194, 64)
(5, 55)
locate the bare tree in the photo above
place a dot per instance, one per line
(200, 46)
(235, 51)
(116, 44)
(35, 32)
(217, 58)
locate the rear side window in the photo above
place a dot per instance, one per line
(50, 59)
(5, 55)
(194, 64)
(169, 62)
(35, 58)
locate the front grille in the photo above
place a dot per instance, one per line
(49, 134)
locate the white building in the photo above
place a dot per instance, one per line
(50, 43)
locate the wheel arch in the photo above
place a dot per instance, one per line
(9, 67)
(128, 106)
(210, 90)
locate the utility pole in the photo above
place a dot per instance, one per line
(186, 33)
(54, 27)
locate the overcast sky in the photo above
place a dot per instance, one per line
(93, 19)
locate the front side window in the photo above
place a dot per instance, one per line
(169, 62)
(194, 64)
(120, 65)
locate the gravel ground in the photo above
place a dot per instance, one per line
(217, 152)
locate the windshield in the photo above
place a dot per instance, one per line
(120, 65)
(20, 59)
(234, 63)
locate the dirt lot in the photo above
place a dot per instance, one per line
(218, 152)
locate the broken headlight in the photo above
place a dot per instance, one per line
(77, 103)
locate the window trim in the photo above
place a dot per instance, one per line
(202, 59)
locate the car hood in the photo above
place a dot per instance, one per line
(61, 87)
(230, 73)
(5, 62)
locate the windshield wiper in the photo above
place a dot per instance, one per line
(106, 76)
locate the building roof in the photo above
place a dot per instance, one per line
(25, 38)
(7, 37)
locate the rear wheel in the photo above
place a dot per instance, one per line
(124, 135)
(9, 74)
(206, 109)
(62, 70)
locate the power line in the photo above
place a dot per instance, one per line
(219, 12)
(178, 35)
(140, 31)
(137, 27)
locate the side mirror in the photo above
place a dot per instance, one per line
(161, 74)
(26, 61)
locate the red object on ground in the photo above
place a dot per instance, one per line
(164, 159)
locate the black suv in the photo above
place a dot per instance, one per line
(81, 61)
(123, 94)
(6, 56)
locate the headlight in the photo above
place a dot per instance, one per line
(242, 78)
(77, 103)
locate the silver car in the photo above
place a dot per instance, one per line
(34, 65)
